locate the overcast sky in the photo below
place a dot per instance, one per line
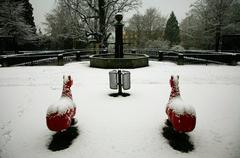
(180, 8)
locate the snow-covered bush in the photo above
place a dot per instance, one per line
(177, 48)
(158, 44)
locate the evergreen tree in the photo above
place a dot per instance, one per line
(207, 21)
(172, 33)
(64, 28)
(146, 30)
(28, 13)
(13, 22)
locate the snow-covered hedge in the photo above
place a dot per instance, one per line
(177, 48)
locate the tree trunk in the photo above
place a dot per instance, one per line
(217, 42)
(102, 23)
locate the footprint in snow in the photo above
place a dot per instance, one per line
(20, 111)
(5, 135)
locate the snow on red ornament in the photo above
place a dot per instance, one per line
(181, 115)
(60, 114)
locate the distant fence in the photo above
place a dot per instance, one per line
(193, 57)
(44, 57)
(64, 56)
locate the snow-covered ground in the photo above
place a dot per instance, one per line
(120, 127)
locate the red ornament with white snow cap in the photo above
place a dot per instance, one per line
(60, 115)
(181, 115)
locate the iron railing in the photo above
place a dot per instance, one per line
(64, 56)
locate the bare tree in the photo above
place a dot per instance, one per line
(154, 24)
(134, 31)
(147, 27)
(232, 22)
(62, 22)
(194, 33)
(98, 15)
(213, 15)
(64, 25)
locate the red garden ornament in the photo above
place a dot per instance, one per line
(60, 115)
(181, 115)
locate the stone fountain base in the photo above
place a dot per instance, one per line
(108, 61)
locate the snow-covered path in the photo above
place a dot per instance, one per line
(119, 127)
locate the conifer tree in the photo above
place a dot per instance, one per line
(13, 22)
(28, 13)
(172, 33)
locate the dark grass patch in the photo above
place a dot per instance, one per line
(62, 140)
(178, 141)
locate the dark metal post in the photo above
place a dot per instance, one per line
(160, 55)
(15, 45)
(78, 56)
(118, 36)
(119, 82)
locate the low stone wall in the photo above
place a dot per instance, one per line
(108, 61)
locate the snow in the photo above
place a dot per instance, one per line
(180, 107)
(65, 78)
(175, 79)
(119, 13)
(61, 106)
(120, 127)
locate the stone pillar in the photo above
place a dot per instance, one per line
(78, 56)
(233, 60)
(118, 36)
(180, 60)
(60, 59)
(160, 55)
(5, 62)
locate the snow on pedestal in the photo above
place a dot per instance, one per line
(60, 114)
(181, 115)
